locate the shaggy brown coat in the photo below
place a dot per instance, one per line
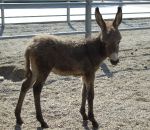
(51, 54)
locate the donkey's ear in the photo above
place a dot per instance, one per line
(118, 18)
(99, 19)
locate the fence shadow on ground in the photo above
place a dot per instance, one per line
(1, 30)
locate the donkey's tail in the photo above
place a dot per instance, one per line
(28, 72)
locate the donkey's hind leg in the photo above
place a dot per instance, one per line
(37, 88)
(25, 87)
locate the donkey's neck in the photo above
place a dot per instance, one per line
(96, 50)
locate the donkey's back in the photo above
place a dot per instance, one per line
(64, 57)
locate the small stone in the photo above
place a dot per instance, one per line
(145, 67)
(131, 53)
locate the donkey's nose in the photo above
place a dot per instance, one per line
(114, 62)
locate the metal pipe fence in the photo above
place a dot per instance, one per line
(88, 4)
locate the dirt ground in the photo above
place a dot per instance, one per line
(122, 101)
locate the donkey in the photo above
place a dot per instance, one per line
(49, 53)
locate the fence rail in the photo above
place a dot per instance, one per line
(64, 4)
(87, 5)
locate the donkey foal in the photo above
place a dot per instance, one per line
(51, 54)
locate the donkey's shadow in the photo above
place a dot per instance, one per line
(39, 128)
(87, 128)
(17, 127)
(84, 128)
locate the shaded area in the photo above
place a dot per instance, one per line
(13, 73)
(106, 70)
(1, 30)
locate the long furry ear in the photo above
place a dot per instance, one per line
(99, 19)
(118, 18)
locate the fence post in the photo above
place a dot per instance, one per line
(68, 11)
(68, 16)
(88, 18)
(2, 16)
(120, 5)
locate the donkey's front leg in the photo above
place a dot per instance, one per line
(89, 80)
(82, 109)
(90, 98)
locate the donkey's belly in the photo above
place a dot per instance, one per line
(65, 72)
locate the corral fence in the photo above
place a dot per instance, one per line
(68, 4)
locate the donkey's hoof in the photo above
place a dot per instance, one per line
(17, 127)
(85, 123)
(44, 125)
(95, 125)
(19, 122)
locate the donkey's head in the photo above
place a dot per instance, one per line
(110, 35)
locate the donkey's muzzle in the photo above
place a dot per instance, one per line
(114, 62)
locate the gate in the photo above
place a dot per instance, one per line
(88, 4)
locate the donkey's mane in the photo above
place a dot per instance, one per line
(45, 38)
